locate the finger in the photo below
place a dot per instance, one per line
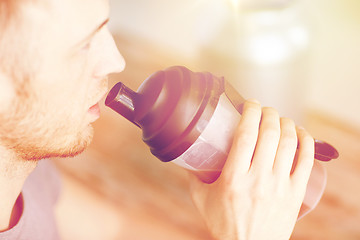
(242, 149)
(286, 151)
(268, 141)
(196, 186)
(197, 191)
(305, 158)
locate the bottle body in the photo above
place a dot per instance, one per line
(207, 155)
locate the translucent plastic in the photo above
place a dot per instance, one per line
(207, 156)
(315, 189)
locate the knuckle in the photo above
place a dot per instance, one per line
(260, 191)
(288, 143)
(270, 113)
(270, 126)
(271, 132)
(287, 122)
(270, 110)
(259, 194)
(288, 138)
(305, 135)
(306, 140)
(252, 107)
(253, 110)
(261, 185)
(288, 132)
(245, 137)
(230, 189)
(309, 140)
(253, 102)
(279, 190)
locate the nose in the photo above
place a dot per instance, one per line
(109, 59)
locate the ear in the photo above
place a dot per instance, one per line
(7, 91)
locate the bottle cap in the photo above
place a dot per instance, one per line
(172, 107)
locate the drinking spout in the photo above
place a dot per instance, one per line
(122, 100)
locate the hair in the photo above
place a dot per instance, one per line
(9, 13)
(7, 7)
(9, 18)
(14, 60)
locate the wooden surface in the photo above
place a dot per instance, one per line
(152, 197)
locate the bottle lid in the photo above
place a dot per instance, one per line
(172, 107)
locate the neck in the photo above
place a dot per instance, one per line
(13, 173)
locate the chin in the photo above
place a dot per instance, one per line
(75, 145)
(30, 135)
(64, 147)
(79, 145)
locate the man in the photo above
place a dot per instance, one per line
(55, 56)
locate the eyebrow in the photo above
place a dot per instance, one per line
(93, 32)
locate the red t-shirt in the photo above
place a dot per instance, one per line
(40, 193)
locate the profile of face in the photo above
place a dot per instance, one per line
(69, 53)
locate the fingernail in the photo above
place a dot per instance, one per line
(253, 100)
(300, 127)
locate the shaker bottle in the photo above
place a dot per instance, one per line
(189, 118)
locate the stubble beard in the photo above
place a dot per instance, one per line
(31, 134)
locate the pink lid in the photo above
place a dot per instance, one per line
(171, 107)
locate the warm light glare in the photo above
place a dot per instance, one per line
(235, 3)
(268, 49)
(299, 37)
(276, 47)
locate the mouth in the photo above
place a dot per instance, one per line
(94, 110)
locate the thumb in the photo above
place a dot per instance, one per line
(195, 183)
(197, 189)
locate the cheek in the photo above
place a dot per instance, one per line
(65, 86)
(58, 106)
(65, 89)
(67, 103)
(36, 131)
(31, 119)
(61, 115)
(80, 78)
(7, 94)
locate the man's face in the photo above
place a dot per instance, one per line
(71, 52)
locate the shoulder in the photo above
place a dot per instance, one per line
(40, 193)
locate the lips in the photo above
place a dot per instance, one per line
(99, 98)
(94, 110)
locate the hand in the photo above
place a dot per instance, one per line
(260, 190)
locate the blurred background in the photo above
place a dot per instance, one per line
(299, 56)
(310, 46)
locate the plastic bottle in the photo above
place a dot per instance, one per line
(189, 118)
